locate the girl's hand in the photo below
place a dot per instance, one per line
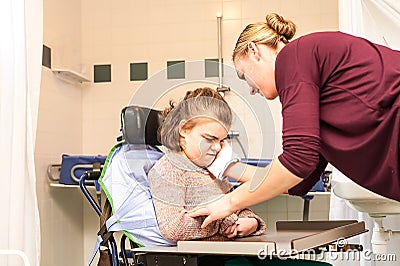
(246, 226)
(231, 231)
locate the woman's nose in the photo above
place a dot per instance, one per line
(253, 90)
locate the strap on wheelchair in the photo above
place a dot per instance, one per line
(105, 235)
(102, 240)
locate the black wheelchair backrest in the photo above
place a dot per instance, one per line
(140, 125)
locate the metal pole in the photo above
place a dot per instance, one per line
(219, 21)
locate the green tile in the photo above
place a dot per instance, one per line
(176, 69)
(138, 71)
(211, 68)
(46, 56)
(102, 73)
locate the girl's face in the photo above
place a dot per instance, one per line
(201, 143)
(257, 68)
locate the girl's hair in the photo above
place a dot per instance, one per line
(270, 33)
(198, 104)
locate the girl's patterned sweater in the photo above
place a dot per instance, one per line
(177, 186)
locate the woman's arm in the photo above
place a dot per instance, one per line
(264, 185)
(243, 172)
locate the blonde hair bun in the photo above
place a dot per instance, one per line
(283, 27)
(276, 29)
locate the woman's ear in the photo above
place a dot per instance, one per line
(253, 50)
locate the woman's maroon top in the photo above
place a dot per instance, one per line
(340, 104)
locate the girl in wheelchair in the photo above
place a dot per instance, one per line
(194, 131)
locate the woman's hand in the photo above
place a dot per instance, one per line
(277, 180)
(218, 209)
(224, 158)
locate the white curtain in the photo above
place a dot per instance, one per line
(375, 20)
(378, 21)
(21, 30)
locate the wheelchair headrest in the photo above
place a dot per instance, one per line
(139, 125)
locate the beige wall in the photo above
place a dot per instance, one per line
(60, 131)
(126, 31)
(84, 119)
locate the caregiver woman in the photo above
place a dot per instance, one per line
(340, 104)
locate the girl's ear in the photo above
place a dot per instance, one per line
(182, 134)
(182, 130)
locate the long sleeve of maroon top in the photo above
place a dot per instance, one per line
(340, 104)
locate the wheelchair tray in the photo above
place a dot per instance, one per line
(290, 238)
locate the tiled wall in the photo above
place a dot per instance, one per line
(84, 119)
(59, 131)
(122, 32)
(287, 207)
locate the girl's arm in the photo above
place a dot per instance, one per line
(175, 224)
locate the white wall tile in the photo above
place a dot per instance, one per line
(273, 217)
(295, 204)
(320, 203)
(295, 216)
(277, 204)
(232, 10)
